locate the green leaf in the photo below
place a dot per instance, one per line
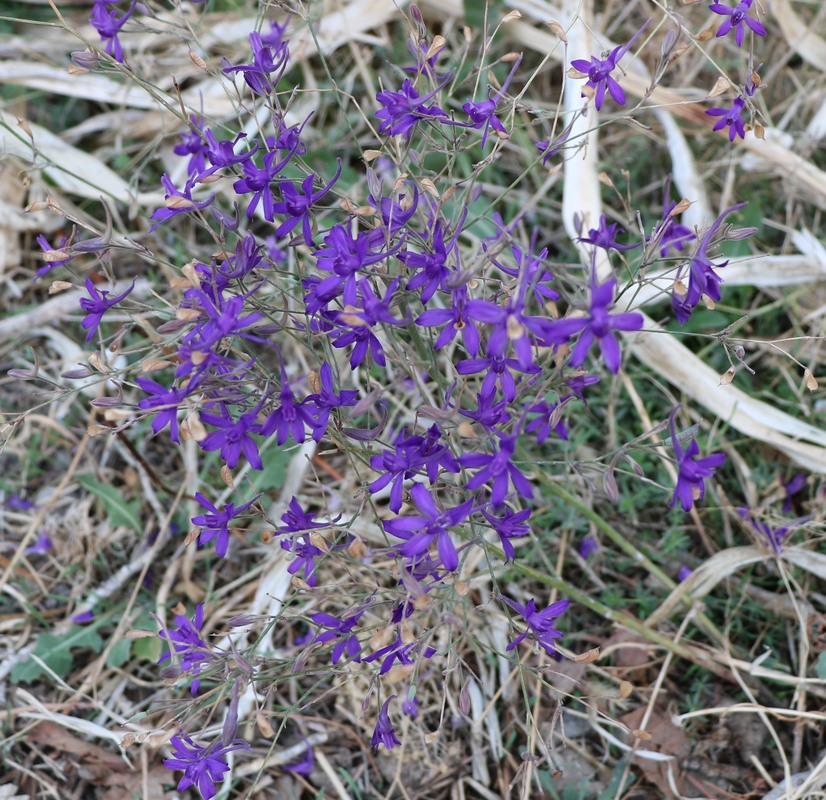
(148, 648)
(120, 652)
(56, 653)
(275, 461)
(118, 510)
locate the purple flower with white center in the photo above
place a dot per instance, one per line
(108, 24)
(397, 650)
(605, 236)
(268, 64)
(296, 204)
(597, 325)
(489, 414)
(340, 631)
(499, 370)
(731, 118)
(692, 471)
(513, 525)
(702, 278)
(739, 19)
(384, 732)
(296, 520)
(483, 114)
(304, 556)
(215, 523)
(178, 202)
(599, 72)
(540, 623)
(404, 108)
(419, 532)
(459, 318)
(164, 403)
(97, 304)
(233, 436)
(186, 642)
(320, 405)
(258, 181)
(202, 766)
(497, 470)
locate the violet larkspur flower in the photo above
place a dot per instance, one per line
(202, 766)
(215, 523)
(320, 404)
(540, 623)
(599, 72)
(51, 262)
(295, 204)
(397, 650)
(483, 113)
(340, 631)
(738, 18)
(670, 233)
(702, 277)
(185, 640)
(233, 436)
(108, 24)
(97, 305)
(305, 555)
(295, 519)
(164, 402)
(598, 325)
(267, 66)
(774, 536)
(731, 118)
(605, 236)
(385, 733)
(693, 471)
(512, 526)
(404, 108)
(497, 470)
(178, 202)
(419, 532)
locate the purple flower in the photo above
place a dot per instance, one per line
(404, 108)
(483, 114)
(164, 402)
(540, 623)
(512, 526)
(296, 520)
(385, 733)
(269, 60)
(305, 555)
(258, 181)
(202, 766)
(419, 532)
(693, 471)
(42, 546)
(599, 72)
(340, 631)
(497, 470)
(488, 414)
(233, 436)
(499, 371)
(549, 417)
(108, 24)
(17, 503)
(598, 325)
(295, 205)
(702, 278)
(321, 404)
(775, 536)
(433, 269)
(65, 243)
(178, 202)
(459, 318)
(192, 145)
(186, 642)
(670, 233)
(738, 18)
(221, 153)
(397, 650)
(215, 524)
(791, 488)
(684, 573)
(587, 546)
(605, 236)
(289, 418)
(98, 305)
(731, 118)
(304, 766)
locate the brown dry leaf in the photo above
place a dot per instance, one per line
(135, 784)
(811, 381)
(96, 765)
(663, 737)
